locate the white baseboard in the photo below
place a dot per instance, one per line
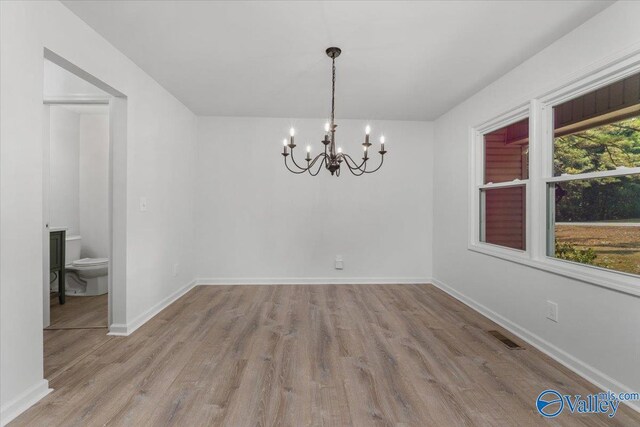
(31, 396)
(312, 280)
(586, 371)
(119, 329)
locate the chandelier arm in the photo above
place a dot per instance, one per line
(296, 164)
(362, 166)
(291, 170)
(346, 159)
(353, 169)
(313, 162)
(379, 166)
(319, 167)
(356, 173)
(355, 166)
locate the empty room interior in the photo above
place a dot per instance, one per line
(320, 213)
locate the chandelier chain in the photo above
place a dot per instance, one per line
(333, 89)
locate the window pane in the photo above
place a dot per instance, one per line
(599, 130)
(600, 148)
(506, 153)
(597, 222)
(503, 216)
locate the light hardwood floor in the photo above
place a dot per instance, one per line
(77, 328)
(311, 355)
(78, 312)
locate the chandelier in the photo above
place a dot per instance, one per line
(332, 158)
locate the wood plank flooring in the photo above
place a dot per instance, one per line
(332, 355)
(77, 328)
(64, 348)
(79, 312)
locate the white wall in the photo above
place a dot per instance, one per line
(79, 172)
(94, 185)
(160, 165)
(21, 213)
(259, 223)
(61, 84)
(598, 331)
(64, 178)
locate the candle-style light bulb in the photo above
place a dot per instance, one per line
(284, 147)
(382, 139)
(284, 142)
(382, 150)
(308, 149)
(367, 130)
(326, 127)
(339, 150)
(291, 132)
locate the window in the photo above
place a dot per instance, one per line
(503, 193)
(503, 216)
(566, 197)
(594, 201)
(597, 222)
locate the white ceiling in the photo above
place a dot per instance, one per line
(401, 60)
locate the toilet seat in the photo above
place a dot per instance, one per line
(90, 262)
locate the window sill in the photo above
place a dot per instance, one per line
(617, 281)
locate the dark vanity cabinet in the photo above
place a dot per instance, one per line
(57, 240)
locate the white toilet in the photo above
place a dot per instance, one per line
(84, 276)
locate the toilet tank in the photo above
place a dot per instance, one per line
(72, 249)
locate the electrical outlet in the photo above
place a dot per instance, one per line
(143, 204)
(552, 311)
(175, 269)
(339, 264)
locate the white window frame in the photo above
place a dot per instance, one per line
(477, 149)
(540, 113)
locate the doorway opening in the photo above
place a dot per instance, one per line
(84, 212)
(78, 213)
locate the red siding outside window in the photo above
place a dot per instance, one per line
(506, 159)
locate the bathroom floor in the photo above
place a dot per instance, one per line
(78, 312)
(77, 328)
